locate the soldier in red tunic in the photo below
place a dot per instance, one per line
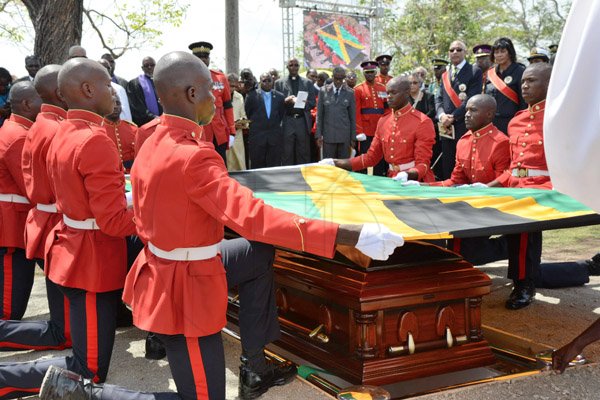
(55, 333)
(383, 76)
(371, 104)
(123, 134)
(16, 272)
(143, 133)
(87, 256)
(178, 286)
(404, 138)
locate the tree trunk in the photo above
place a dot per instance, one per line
(58, 25)
(232, 36)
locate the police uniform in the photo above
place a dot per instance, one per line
(505, 87)
(177, 287)
(222, 125)
(483, 50)
(55, 333)
(404, 139)
(383, 60)
(143, 133)
(123, 134)
(371, 105)
(16, 271)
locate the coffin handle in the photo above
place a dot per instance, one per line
(449, 337)
(318, 335)
(411, 344)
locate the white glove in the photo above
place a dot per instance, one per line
(401, 176)
(377, 241)
(231, 141)
(129, 199)
(327, 161)
(410, 183)
(479, 185)
(466, 185)
(361, 137)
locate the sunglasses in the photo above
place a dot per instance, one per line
(455, 50)
(293, 65)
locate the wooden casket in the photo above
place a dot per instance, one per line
(417, 314)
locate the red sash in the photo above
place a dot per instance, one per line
(502, 87)
(451, 93)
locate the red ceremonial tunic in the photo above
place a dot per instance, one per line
(222, 124)
(13, 215)
(183, 197)
(39, 190)
(526, 135)
(87, 177)
(371, 105)
(144, 133)
(481, 156)
(403, 137)
(123, 135)
(383, 79)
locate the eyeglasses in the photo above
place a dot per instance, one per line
(455, 50)
(415, 83)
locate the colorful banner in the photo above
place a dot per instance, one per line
(332, 194)
(332, 40)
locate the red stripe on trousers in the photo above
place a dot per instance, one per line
(91, 318)
(522, 254)
(456, 245)
(9, 390)
(8, 282)
(193, 347)
(67, 322)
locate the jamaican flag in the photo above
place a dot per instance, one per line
(330, 193)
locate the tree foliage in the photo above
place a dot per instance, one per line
(424, 29)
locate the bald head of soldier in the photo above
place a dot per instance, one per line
(534, 83)
(76, 52)
(398, 90)
(85, 84)
(184, 87)
(46, 84)
(480, 111)
(24, 100)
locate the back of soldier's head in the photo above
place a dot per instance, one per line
(85, 84)
(46, 84)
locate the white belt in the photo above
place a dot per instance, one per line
(525, 172)
(185, 253)
(402, 167)
(88, 224)
(13, 198)
(49, 208)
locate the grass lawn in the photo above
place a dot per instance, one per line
(571, 244)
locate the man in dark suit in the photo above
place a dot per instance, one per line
(336, 117)
(32, 65)
(297, 119)
(461, 82)
(143, 100)
(265, 108)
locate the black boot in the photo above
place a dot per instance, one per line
(155, 350)
(521, 296)
(593, 265)
(253, 384)
(67, 385)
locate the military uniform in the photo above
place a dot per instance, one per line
(371, 105)
(405, 140)
(143, 133)
(123, 134)
(16, 272)
(383, 79)
(55, 333)
(505, 87)
(222, 124)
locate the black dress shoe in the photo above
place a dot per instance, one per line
(593, 265)
(520, 297)
(253, 384)
(155, 349)
(67, 385)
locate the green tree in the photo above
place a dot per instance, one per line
(59, 24)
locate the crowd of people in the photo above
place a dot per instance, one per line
(71, 132)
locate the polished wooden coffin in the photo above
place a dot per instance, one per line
(415, 315)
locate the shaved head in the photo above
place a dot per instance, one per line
(400, 83)
(46, 84)
(484, 102)
(85, 84)
(480, 111)
(77, 51)
(184, 85)
(534, 82)
(542, 70)
(24, 100)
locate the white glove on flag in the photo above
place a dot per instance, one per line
(401, 176)
(231, 141)
(377, 241)
(361, 137)
(479, 185)
(327, 161)
(410, 183)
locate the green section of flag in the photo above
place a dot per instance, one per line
(295, 203)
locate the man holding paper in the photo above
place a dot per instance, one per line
(299, 95)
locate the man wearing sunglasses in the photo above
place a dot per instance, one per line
(461, 82)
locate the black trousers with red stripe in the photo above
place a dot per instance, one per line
(92, 318)
(524, 257)
(16, 281)
(381, 168)
(54, 334)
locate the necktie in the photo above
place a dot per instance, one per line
(337, 91)
(454, 73)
